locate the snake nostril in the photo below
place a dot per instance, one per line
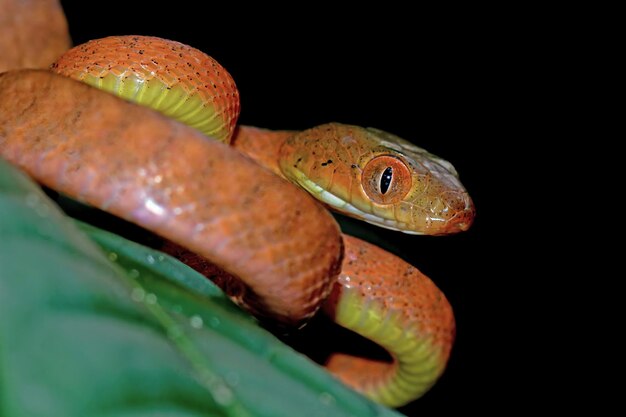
(465, 218)
(463, 225)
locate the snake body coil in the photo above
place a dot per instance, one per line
(202, 194)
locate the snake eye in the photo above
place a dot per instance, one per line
(386, 179)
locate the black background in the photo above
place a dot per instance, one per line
(442, 79)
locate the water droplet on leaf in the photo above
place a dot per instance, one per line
(138, 294)
(326, 398)
(174, 332)
(151, 299)
(222, 395)
(196, 322)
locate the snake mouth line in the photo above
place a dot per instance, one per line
(350, 210)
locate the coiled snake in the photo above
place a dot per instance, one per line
(284, 247)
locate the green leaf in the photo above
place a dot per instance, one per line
(129, 331)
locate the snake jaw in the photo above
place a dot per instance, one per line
(348, 209)
(426, 224)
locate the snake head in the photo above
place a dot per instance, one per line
(378, 177)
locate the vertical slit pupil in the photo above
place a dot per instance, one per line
(385, 180)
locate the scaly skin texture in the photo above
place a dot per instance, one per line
(262, 145)
(172, 180)
(406, 314)
(167, 177)
(175, 79)
(32, 33)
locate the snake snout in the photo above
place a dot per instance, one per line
(460, 210)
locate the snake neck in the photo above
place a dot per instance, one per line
(262, 145)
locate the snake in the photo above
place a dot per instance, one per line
(164, 151)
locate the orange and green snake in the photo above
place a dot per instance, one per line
(285, 249)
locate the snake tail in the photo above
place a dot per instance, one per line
(390, 302)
